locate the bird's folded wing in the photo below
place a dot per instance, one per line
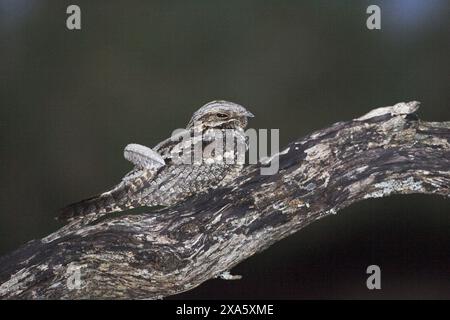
(143, 157)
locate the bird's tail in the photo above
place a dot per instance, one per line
(104, 203)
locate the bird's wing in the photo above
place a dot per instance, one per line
(173, 145)
(143, 157)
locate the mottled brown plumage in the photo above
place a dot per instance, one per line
(164, 175)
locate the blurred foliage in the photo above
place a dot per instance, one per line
(71, 100)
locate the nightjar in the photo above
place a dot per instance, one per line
(193, 160)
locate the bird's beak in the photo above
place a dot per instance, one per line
(248, 114)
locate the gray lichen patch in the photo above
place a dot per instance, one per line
(401, 108)
(388, 187)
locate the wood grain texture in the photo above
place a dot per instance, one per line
(153, 255)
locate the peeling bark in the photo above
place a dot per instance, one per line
(164, 252)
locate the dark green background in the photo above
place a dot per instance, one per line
(71, 100)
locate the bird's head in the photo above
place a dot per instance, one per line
(221, 114)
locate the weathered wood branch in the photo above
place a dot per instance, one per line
(173, 250)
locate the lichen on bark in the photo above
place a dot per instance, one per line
(156, 254)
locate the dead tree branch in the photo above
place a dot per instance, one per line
(162, 253)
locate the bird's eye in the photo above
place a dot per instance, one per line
(222, 115)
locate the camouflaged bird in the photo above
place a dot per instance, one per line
(172, 171)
